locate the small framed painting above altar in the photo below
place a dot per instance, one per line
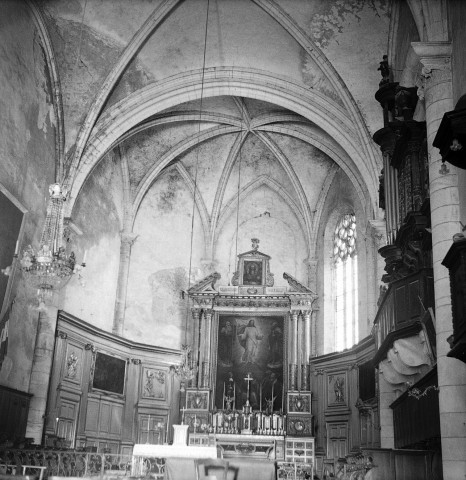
(250, 361)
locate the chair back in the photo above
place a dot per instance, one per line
(212, 467)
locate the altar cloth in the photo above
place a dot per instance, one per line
(247, 469)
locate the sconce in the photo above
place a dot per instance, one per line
(451, 137)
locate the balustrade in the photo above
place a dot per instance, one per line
(66, 463)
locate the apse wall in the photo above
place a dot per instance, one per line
(27, 167)
(98, 213)
(156, 304)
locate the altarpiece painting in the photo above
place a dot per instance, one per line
(250, 345)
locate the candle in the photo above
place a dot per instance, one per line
(272, 397)
(148, 427)
(17, 247)
(182, 416)
(84, 257)
(56, 425)
(168, 423)
(195, 421)
(260, 397)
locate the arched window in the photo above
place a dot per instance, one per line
(345, 282)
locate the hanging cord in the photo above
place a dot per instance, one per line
(195, 192)
(239, 181)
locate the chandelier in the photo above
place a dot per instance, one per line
(50, 268)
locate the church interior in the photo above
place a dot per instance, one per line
(233, 231)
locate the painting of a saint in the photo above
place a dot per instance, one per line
(252, 272)
(225, 343)
(250, 345)
(276, 345)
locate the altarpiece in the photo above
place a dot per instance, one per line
(252, 345)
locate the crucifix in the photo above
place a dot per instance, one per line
(248, 379)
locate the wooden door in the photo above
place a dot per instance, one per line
(337, 439)
(66, 426)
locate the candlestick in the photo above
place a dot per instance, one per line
(260, 396)
(195, 421)
(182, 416)
(273, 384)
(168, 423)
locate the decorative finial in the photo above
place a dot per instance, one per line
(255, 243)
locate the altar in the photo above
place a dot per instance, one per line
(159, 453)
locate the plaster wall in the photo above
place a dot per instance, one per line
(352, 35)
(27, 164)
(98, 213)
(155, 308)
(266, 216)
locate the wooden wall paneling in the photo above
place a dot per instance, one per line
(14, 407)
(337, 439)
(128, 435)
(318, 396)
(107, 420)
(116, 416)
(353, 394)
(85, 387)
(105, 417)
(92, 417)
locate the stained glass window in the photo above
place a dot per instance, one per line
(345, 282)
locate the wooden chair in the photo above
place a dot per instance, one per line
(216, 467)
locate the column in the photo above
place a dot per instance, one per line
(196, 346)
(307, 350)
(315, 309)
(293, 361)
(444, 202)
(41, 371)
(127, 240)
(207, 348)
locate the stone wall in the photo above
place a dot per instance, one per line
(27, 166)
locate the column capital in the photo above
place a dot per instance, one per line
(433, 55)
(128, 237)
(209, 265)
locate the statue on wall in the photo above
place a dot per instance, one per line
(338, 388)
(72, 365)
(384, 71)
